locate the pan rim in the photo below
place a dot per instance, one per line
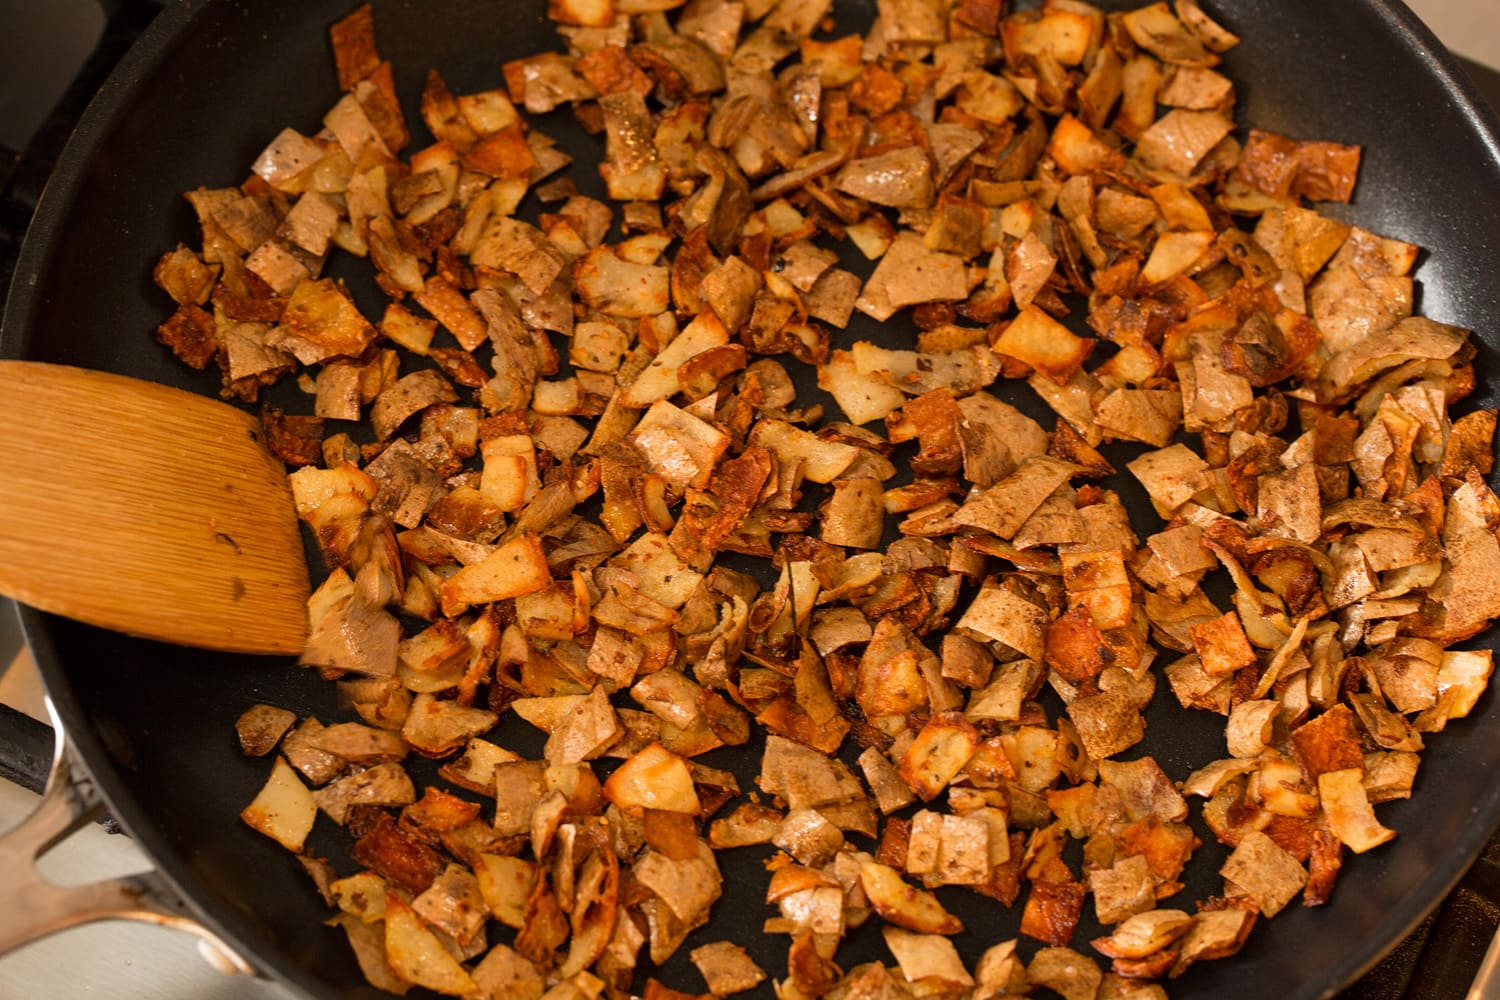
(44, 240)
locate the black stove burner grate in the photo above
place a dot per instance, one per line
(1437, 961)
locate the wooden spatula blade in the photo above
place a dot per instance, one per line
(147, 510)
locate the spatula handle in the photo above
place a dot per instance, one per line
(148, 510)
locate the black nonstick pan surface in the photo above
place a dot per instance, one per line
(212, 81)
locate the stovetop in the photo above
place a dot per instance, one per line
(1436, 962)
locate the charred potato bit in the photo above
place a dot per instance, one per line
(538, 518)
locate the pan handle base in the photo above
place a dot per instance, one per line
(41, 907)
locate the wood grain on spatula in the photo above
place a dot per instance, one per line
(146, 510)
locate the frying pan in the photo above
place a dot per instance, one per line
(212, 81)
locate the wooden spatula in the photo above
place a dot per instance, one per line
(147, 510)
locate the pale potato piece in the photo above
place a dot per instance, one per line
(822, 461)
(284, 809)
(1208, 778)
(1174, 254)
(1390, 775)
(902, 904)
(1145, 789)
(505, 883)
(670, 695)
(508, 478)
(807, 836)
(436, 727)
(863, 396)
(1347, 809)
(1462, 678)
(956, 849)
(660, 379)
(964, 370)
(926, 957)
(1250, 725)
(1179, 139)
(546, 712)
(617, 287)
(899, 178)
(748, 824)
(360, 895)
(519, 787)
(1276, 786)
(367, 941)
(1214, 934)
(688, 886)
(677, 445)
(417, 956)
(598, 346)
(360, 744)
(1172, 475)
(853, 516)
(804, 777)
(661, 574)
(1002, 698)
(1151, 416)
(453, 905)
(585, 732)
(910, 274)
